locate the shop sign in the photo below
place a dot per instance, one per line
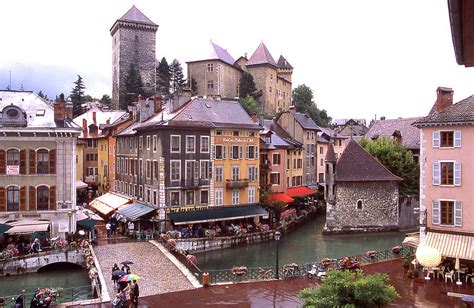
(13, 170)
(238, 140)
(187, 209)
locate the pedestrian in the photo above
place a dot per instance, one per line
(135, 293)
(108, 227)
(115, 278)
(126, 268)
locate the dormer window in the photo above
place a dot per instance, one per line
(13, 116)
(12, 113)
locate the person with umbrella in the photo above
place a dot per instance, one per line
(125, 266)
(115, 268)
(116, 275)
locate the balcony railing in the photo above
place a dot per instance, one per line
(237, 184)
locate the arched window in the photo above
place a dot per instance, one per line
(13, 157)
(359, 204)
(13, 199)
(42, 198)
(42, 161)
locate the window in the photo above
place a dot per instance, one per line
(252, 152)
(447, 212)
(235, 152)
(149, 171)
(236, 133)
(447, 139)
(218, 133)
(235, 196)
(300, 163)
(204, 196)
(219, 174)
(13, 157)
(140, 192)
(13, 198)
(140, 142)
(276, 158)
(174, 196)
(190, 144)
(321, 150)
(251, 194)
(155, 142)
(148, 195)
(210, 84)
(205, 169)
(210, 67)
(219, 194)
(175, 144)
(42, 161)
(275, 178)
(321, 177)
(155, 169)
(175, 170)
(191, 172)
(189, 197)
(321, 162)
(359, 204)
(220, 151)
(140, 167)
(252, 173)
(42, 198)
(447, 173)
(204, 144)
(155, 198)
(148, 142)
(235, 173)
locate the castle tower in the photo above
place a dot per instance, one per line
(329, 192)
(285, 70)
(133, 42)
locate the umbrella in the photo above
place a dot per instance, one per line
(126, 262)
(428, 256)
(130, 277)
(457, 267)
(118, 274)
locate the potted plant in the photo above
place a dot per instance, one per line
(416, 273)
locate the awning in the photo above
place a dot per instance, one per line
(27, 227)
(412, 239)
(109, 202)
(4, 227)
(281, 197)
(80, 184)
(301, 191)
(101, 207)
(86, 214)
(135, 211)
(217, 214)
(451, 245)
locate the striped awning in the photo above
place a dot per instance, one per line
(28, 227)
(451, 245)
(412, 239)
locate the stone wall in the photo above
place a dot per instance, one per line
(379, 207)
(408, 219)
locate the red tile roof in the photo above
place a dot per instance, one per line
(301, 191)
(281, 197)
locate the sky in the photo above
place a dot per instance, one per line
(362, 59)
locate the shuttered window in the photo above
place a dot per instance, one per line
(52, 198)
(42, 161)
(457, 138)
(13, 198)
(32, 198)
(23, 162)
(436, 177)
(42, 198)
(447, 212)
(435, 140)
(23, 198)
(457, 173)
(52, 161)
(32, 167)
(435, 213)
(458, 214)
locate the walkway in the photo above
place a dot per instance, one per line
(159, 274)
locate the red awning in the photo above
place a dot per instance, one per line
(301, 191)
(281, 197)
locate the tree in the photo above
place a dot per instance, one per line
(77, 96)
(106, 101)
(42, 95)
(176, 76)
(249, 104)
(133, 85)
(193, 86)
(396, 158)
(247, 86)
(350, 289)
(163, 77)
(303, 100)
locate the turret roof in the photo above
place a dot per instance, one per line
(283, 63)
(135, 15)
(261, 56)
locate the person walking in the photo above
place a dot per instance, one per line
(115, 278)
(108, 228)
(126, 268)
(134, 294)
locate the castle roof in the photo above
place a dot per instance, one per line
(283, 63)
(261, 56)
(135, 15)
(459, 113)
(222, 54)
(305, 121)
(357, 165)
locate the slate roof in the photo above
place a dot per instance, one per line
(305, 121)
(278, 130)
(39, 113)
(458, 113)
(283, 63)
(135, 15)
(277, 141)
(331, 155)
(357, 165)
(386, 128)
(261, 56)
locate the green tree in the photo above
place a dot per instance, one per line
(249, 104)
(350, 289)
(133, 85)
(177, 76)
(303, 100)
(247, 86)
(193, 86)
(77, 96)
(163, 77)
(396, 158)
(106, 101)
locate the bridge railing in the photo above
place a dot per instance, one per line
(74, 294)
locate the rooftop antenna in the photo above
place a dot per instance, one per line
(10, 84)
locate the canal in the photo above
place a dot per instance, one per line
(302, 245)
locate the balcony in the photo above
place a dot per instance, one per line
(194, 183)
(237, 184)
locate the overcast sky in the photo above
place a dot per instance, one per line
(361, 58)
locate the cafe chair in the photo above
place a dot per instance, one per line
(449, 275)
(440, 273)
(470, 276)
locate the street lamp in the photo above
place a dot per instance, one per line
(277, 239)
(69, 215)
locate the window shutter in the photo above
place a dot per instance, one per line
(213, 152)
(52, 198)
(240, 152)
(210, 170)
(52, 161)
(457, 173)
(3, 199)
(458, 213)
(224, 149)
(32, 162)
(22, 198)
(436, 177)
(457, 138)
(3, 167)
(435, 213)
(247, 152)
(22, 161)
(231, 151)
(436, 139)
(32, 195)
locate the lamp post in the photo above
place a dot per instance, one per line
(277, 239)
(69, 215)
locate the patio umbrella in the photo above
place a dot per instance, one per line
(118, 273)
(126, 262)
(457, 267)
(130, 277)
(428, 256)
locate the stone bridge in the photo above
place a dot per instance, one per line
(36, 261)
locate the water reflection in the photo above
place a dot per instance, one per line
(302, 245)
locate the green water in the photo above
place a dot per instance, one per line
(302, 245)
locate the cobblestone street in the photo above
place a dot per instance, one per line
(159, 274)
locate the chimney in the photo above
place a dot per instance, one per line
(382, 118)
(60, 108)
(94, 118)
(69, 110)
(84, 127)
(108, 121)
(292, 109)
(254, 118)
(444, 98)
(157, 100)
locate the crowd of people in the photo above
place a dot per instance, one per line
(127, 292)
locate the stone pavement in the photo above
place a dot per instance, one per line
(159, 274)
